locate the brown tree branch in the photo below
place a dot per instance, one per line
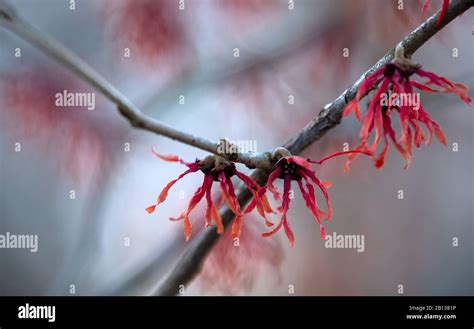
(190, 264)
(11, 20)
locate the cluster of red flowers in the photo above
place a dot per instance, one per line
(287, 167)
(294, 168)
(215, 169)
(395, 77)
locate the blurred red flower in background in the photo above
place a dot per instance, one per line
(152, 29)
(232, 269)
(82, 141)
(248, 6)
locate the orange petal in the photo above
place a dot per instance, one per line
(151, 209)
(237, 227)
(217, 218)
(326, 184)
(187, 228)
(439, 134)
(289, 233)
(170, 158)
(180, 216)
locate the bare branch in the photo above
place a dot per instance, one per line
(10, 19)
(189, 265)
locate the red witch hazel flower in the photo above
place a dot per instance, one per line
(215, 169)
(294, 168)
(394, 93)
(444, 8)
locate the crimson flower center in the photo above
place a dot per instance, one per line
(391, 68)
(289, 169)
(229, 171)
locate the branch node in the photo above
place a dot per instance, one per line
(280, 152)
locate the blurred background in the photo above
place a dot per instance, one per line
(182, 69)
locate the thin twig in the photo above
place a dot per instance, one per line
(190, 264)
(10, 19)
